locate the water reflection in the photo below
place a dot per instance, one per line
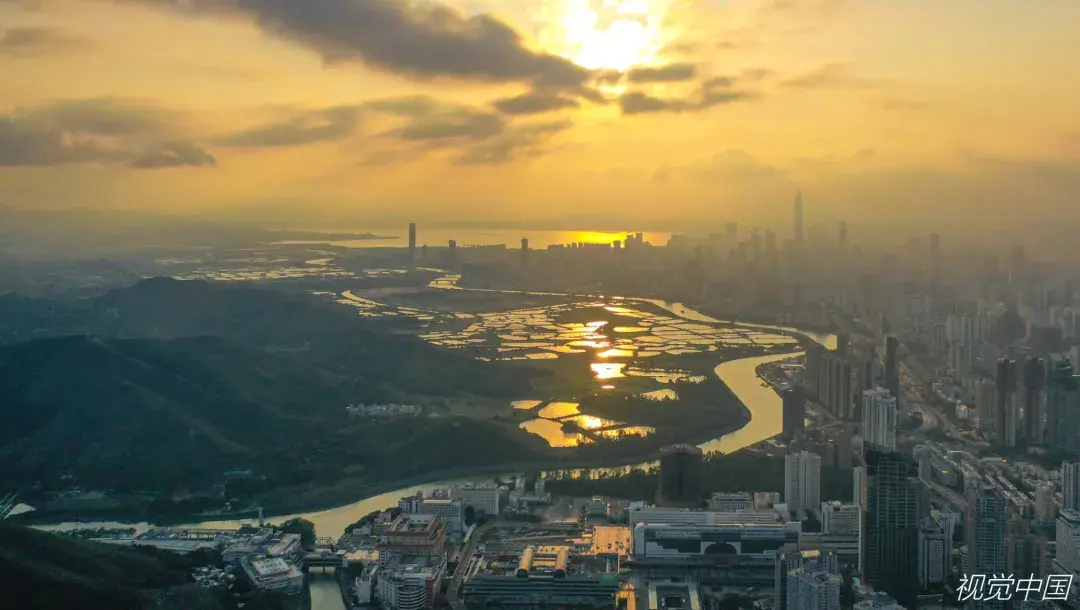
(556, 410)
(608, 370)
(526, 404)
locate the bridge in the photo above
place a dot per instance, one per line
(325, 560)
(7, 504)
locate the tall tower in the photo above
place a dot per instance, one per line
(412, 241)
(894, 498)
(1006, 407)
(842, 237)
(1034, 399)
(798, 218)
(892, 366)
(802, 481)
(879, 419)
(985, 531)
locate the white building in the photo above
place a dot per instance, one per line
(640, 513)
(1070, 485)
(483, 498)
(813, 587)
(664, 541)
(452, 512)
(731, 501)
(802, 481)
(879, 419)
(839, 519)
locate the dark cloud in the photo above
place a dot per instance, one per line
(174, 154)
(830, 76)
(534, 102)
(670, 73)
(716, 91)
(39, 41)
(329, 124)
(109, 131)
(420, 39)
(517, 142)
(464, 125)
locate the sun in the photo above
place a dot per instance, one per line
(607, 34)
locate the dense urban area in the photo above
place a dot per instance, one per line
(777, 419)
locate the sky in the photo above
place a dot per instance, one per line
(575, 114)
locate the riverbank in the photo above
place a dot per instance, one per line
(341, 494)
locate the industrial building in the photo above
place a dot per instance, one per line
(539, 576)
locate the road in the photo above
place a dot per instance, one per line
(464, 559)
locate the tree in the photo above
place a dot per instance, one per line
(470, 515)
(305, 528)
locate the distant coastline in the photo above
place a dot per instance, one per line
(292, 235)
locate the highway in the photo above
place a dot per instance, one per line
(464, 559)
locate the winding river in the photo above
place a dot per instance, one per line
(764, 404)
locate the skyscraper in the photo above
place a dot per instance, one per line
(1070, 485)
(793, 562)
(813, 586)
(933, 562)
(1063, 407)
(794, 411)
(802, 481)
(1034, 399)
(842, 237)
(412, 241)
(681, 477)
(891, 531)
(1006, 404)
(798, 218)
(879, 419)
(985, 532)
(892, 366)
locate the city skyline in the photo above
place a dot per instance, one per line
(538, 110)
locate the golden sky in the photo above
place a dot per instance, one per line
(620, 112)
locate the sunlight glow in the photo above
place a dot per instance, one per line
(607, 34)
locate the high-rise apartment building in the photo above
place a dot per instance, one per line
(802, 481)
(412, 241)
(894, 497)
(1067, 553)
(1025, 553)
(858, 487)
(794, 415)
(879, 419)
(933, 558)
(1045, 507)
(791, 562)
(813, 587)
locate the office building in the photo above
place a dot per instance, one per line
(794, 411)
(1006, 405)
(933, 554)
(892, 366)
(1070, 485)
(412, 241)
(894, 497)
(1034, 400)
(681, 477)
(879, 419)
(802, 481)
(639, 513)
(984, 530)
(543, 577)
(759, 541)
(840, 518)
(412, 535)
(730, 501)
(483, 498)
(452, 512)
(410, 582)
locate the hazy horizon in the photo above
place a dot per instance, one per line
(598, 114)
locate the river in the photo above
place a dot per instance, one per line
(764, 404)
